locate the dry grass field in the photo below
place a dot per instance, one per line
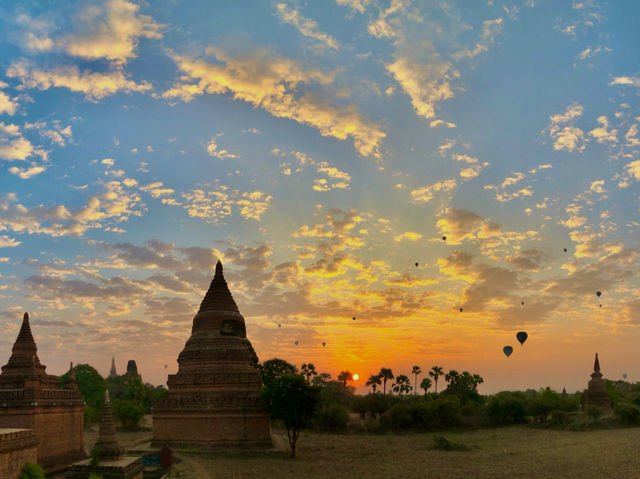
(496, 453)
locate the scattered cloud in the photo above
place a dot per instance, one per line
(426, 193)
(564, 134)
(8, 105)
(216, 152)
(306, 26)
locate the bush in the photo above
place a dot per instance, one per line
(594, 413)
(627, 413)
(31, 471)
(331, 418)
(441, 443)
(507, 408)
(129, 412)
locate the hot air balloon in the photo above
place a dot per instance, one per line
(565, 250)
(295, 342)
(522, 337)
(165, 366)
(507, 350)
(521, 303)
(624, 375)
(444, 238)
(598, 293)
(461, 310)
(324, 344)
(417, 265)
(354, 318)
(279, 325)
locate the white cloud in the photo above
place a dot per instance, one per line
(94, 85)
(565, 135)
(631, 81)
(602, 134)
(271, 83)
(356, 5)
(14, 146)
(26, 173)
(306, 26)
(213, 150)
(6, 242)
(426, 193)
(7, 105)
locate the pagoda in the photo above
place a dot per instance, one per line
(113, 373)
(32, 399)
(215, 397)
(596, 393)
(108, 457)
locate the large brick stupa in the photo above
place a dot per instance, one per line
(215, 398)
(32, 399)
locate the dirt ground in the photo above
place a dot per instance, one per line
(511, 452)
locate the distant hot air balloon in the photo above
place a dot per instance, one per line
(417, 264)
(522, 337)
(295, 342)
(598, 293)
(324, 344)
(165, 366)
(461, 310)
(444, 238)
(565, 250)
(279, 325)
(354, 318)
(507, 350)
(521, 303)
(624, 375)
(600, 305)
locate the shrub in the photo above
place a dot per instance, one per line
(332, 418)
(129, 412)
(627, 413)
(594, 413)
(441, 443)
(31, 471)
(507, 408)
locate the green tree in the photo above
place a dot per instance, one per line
(344, 377)
(129, 412)
(92, 387)
(425, 384)
(272, 369)
(291, 399)
(402, 385)
(435, 373)
(31, 471)
(308, 370)
(374, 381)
(385, 374)
(321, 379)
(416, 371)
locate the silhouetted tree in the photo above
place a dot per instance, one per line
(308, 370)
(344, 377)
(402, 384)
(435, 373)
(321, 379)
(415, 371)
(374, 381)
(274, 368)
(92, 387)
(385, 374)
(290, 398)
(425, 384)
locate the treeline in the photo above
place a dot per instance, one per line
(130, 400)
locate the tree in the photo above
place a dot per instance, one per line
(92, 387)
(415, 371)
(321, 379)
(425, 384)
(308, 371)
(290, 398)
(374, 381)
(435, 373)
(402, 384)
(385, 374)
(129, 412)
(464, 385)
(272, 369)
(344, 377)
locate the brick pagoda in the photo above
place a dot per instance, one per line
(32, 399)
(596, 392)
(215, 398)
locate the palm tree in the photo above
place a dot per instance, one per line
(425, 384)
(435, 373)
(452, 377)
(385, 374)
(402, 384)
(308, 371)
(415, 371)
(344, 377)
(374, 381)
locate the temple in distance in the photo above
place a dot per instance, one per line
(596, 394)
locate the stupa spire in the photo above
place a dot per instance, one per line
(218, 297)
(24, 359)
(596, 368)
(113, 373)
(107, 445)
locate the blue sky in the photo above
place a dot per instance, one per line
(321, 149)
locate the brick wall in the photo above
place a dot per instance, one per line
(17, 447)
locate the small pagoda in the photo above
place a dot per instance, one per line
(215, 397)
(108, 457)
(32, 399)
(596, 394)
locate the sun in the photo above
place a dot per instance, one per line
(355, 377)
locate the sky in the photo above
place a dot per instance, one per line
(323, 151)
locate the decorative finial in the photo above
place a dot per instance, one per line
(25, 317)
(218, 268)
